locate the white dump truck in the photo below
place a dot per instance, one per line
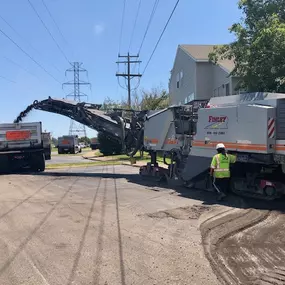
(21, 146)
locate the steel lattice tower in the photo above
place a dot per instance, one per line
(76, 128)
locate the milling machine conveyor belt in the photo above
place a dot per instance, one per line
(84, 113)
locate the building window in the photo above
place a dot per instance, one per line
(179, 77)
(177, 80)
(227, 89)
(191, 97)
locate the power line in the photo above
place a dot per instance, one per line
(62, 52)
(29, 56)
(20, 36)
(46, 7)
(7, 79)
(149, 22)
(15, 63)
(136, 19)
(161, 35)
(122, 24)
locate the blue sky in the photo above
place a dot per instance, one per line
(91, 29)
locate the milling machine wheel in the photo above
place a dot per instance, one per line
(269, 191)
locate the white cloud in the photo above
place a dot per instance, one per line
(99, 29)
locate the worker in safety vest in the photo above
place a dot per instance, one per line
(220, 169)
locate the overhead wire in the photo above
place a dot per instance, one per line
(28, 55)
(122, 24)
(47, 29)
(149, 23)
(50, 14)
(135, 24)
(21, 67)
(165, 27)
(5, 78)
(20, 36)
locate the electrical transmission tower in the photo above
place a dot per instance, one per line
(76, 128)
(129, 75)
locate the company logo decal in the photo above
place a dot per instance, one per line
(217, 122)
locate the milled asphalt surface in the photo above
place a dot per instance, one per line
(105, 225)
(99, 225)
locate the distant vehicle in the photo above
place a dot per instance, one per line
(82, 145)
(94, 144)
(68, 144)
(21, 146)
(47, 145)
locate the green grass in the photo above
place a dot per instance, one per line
(82, 164)
(124, 157)
(112, 160)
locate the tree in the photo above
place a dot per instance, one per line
(110, 104)
(259, 48)
(54, 141)
(85, 140)
(154, 99)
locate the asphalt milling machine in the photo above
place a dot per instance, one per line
(251, 125)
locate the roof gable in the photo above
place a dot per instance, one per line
(200, 53)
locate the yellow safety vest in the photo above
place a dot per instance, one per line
(221, 165)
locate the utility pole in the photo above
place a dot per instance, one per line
(76, 94)
(129, 75)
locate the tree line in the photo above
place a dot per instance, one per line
(153, 99)
(259, 48)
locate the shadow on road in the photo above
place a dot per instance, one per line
(207, 197)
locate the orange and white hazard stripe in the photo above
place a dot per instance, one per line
(271, 128)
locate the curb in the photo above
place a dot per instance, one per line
(123, 163)
(132, 165)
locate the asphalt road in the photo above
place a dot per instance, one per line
(105, 225)
(99, 225)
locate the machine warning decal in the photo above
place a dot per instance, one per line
(150, 141)
(217, 122)
(271, 128)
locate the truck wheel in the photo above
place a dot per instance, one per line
(38, 162)
(72, 151)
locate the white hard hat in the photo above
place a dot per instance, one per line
(220, 145)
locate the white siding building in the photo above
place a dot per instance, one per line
(194, 77)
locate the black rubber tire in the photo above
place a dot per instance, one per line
(269, 191)
(38, 162)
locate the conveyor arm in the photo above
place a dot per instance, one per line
(125, 132)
